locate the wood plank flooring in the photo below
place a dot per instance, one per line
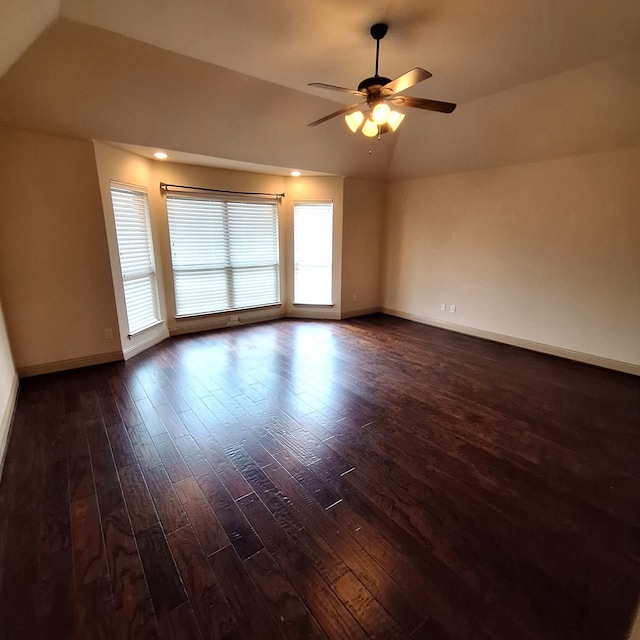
(373, 478)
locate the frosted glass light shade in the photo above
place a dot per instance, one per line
(354, 120)
(395, 118)
(370, 129)
(380, 113)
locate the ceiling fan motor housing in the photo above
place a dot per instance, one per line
(373, 88)
(369, 84)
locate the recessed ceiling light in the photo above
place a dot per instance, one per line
(295, 174)
(161, 155)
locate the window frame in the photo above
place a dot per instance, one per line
(330, 264)
(146, 270)
(229, 224)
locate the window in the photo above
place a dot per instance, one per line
(137, 264)
(224, 254)
(313, 252)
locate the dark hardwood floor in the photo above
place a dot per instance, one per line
(374, 478)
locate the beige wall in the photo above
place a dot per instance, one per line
(8, 388)
(364, 206)
(546, 252)
(55, 280)
(7, 369)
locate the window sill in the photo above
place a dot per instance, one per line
(135, 334)
(227, 311)
(311, 304)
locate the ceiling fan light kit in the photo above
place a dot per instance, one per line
(380, 113)
(354, 120)
(370, 128)
(376, 114)
(395, 118)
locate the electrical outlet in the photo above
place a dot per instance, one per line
(443, 307)
(233, 319)
(355, 297)
(108, 334)
(452, 308)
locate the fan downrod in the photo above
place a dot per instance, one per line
(372, 85)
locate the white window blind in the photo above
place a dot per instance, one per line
(224, 253)
(137, 264)
(313, 252)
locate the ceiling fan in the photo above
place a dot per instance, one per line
(378, 93)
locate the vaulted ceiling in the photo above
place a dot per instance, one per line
(230, 79)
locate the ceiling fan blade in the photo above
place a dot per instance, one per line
(340, 112)
(406, 80)
(423, 103)
(333, 87)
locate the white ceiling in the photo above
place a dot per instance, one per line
(182, 157)
(472, 48)
(22, 22)
(519, 70)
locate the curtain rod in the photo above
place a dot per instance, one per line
(165, 187)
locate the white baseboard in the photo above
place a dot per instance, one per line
(569, 354)
(7, 419)
(234, 319)
(303, 312)
(65, 365)
(360, 312)
(73, 363)
(146, 340)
